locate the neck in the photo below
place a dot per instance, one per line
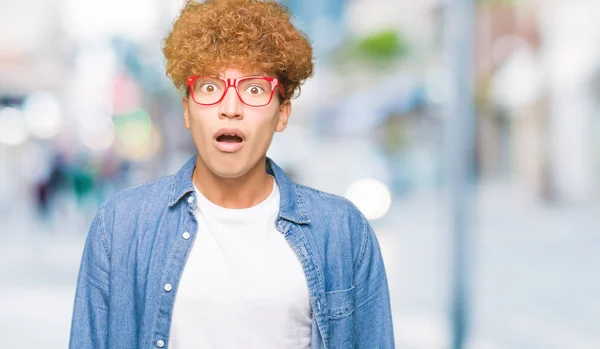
(243, 192)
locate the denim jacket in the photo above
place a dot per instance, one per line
(140, 238)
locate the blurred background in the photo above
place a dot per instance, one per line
(86, 110)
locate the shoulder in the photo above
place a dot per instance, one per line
(133, 209)
(319, 203)
(136, 204)
(151, 193)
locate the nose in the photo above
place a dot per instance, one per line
(230, 106)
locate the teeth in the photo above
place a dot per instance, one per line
(230, 134)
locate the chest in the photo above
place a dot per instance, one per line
(250, 264)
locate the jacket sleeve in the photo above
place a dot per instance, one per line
(373, 316)
(89, 324)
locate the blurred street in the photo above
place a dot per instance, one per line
(399, 118)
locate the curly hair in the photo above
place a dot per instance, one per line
(251, 35)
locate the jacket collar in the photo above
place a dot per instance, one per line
(291, 206)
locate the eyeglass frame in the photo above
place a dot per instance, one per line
(234, 83)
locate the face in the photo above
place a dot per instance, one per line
(226, 156)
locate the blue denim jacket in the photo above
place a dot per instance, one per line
(140, 239)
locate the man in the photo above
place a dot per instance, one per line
(229, 252)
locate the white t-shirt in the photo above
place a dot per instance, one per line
(243, 286)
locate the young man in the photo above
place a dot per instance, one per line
(229, 252)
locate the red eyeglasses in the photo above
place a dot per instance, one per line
(253, 91)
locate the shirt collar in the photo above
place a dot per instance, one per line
(291, 206)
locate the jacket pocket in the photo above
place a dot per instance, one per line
(340, 310)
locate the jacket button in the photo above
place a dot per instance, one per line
(186, 235)
(160, 343)
(168, 287)
(190, 199)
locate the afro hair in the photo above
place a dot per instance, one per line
(251, 35)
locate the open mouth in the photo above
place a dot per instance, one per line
(229, 141)
(229, 138)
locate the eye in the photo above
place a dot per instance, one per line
(255, 89)
(208, 87)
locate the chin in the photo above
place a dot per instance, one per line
(229, 174)
(229, 166)
(230, 169)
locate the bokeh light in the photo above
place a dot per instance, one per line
(100, 137)
(43, 115)
(137, 139)
(13, 129)
(372, 197)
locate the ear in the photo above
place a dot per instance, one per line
(285, 109)
(186, 111)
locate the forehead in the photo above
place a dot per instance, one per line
(235, 73)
